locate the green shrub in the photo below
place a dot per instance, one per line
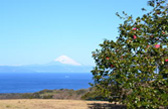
(47, 96)
(133, 70)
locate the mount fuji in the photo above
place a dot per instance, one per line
(58, 65)
(66, 60)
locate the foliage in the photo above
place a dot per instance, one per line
(133, 70)
(56, 94)
(48, 94)
(93, 94)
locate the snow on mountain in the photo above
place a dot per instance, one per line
(66, 60)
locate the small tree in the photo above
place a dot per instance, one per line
(134, 69)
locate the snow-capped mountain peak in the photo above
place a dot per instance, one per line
(66, 60)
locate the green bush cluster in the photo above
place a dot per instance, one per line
(48, 94)
(56, 94)
(133, 70)
(94, 94)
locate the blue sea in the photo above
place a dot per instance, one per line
(33, 82)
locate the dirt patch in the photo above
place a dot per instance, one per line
(55, 104)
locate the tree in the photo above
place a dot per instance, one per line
(134, 69)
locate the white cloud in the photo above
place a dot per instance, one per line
(66, 60)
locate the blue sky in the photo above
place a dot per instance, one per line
(38, 31)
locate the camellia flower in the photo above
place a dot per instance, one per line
(107, 58)
(163, 32)
(166, 60)
(157, 46)
(134, 29)
(134, 37)
(112, 65)
(148, 46)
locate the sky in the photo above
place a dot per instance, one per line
(39, 31)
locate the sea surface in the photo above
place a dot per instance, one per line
(33, 82)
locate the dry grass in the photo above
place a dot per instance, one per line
(53, 104)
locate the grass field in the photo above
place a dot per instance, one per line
(55, 104)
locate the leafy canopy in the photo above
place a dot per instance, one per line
(134, 69)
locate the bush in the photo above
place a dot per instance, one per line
(134, 69)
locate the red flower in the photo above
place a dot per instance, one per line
(134, 37)
(112, 65)
(107, 58)
(166, 60)
(148, 46)
(134, 29)
(157, 46)
(163, 32)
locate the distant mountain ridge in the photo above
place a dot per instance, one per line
(61, 64)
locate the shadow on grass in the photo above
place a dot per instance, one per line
(105, 106)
